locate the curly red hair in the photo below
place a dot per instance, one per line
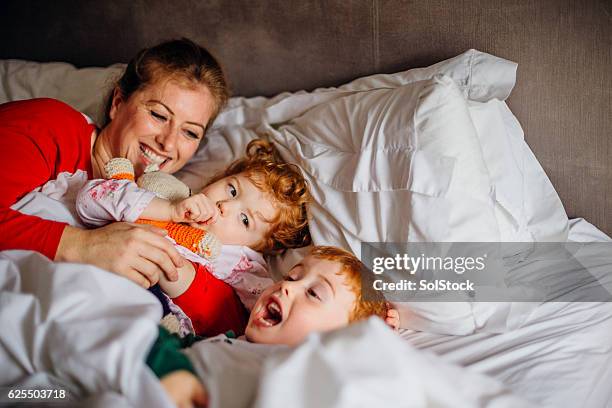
(356, 277)
(288, 189)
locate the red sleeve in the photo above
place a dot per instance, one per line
(39, 139)
(212, 305)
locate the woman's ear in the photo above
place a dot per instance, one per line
(116, 102)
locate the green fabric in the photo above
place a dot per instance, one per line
(166, 357)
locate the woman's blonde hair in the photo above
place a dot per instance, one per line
(288, 189)
(181, 60)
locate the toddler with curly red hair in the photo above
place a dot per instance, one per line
(256, 205)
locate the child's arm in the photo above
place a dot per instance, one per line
(184, 389)
(120, 199)
(186, 275)
(197, 208)
(175, 370)
(101, 201)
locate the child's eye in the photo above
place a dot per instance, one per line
(232, 190)
(158, 116)
(245, 220)
(312, 293)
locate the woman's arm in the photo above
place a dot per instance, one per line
(141, 253)
(28, 153)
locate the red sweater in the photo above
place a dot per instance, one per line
(39, 139)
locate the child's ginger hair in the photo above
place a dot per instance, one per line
(354, 271)
(288, 189)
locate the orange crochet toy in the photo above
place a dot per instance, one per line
(201, 242)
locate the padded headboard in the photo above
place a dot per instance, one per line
(563, 95)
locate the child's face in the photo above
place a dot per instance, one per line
(312, 298)
(243, 211)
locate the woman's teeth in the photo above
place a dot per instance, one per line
(155, 160)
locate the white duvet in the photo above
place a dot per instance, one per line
(85, 330)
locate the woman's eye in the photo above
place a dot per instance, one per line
(158, 116)
(245, 220)
(289, 278)
(192, 135)
(311, 292)
(232, 190)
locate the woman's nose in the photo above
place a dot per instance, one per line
(167, 138)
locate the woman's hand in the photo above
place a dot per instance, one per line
(140, 253)
(184, 389)
(197, 208)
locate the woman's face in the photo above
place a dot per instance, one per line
(159, 126)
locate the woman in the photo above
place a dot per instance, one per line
(156, 116)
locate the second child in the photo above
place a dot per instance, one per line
(258, 204)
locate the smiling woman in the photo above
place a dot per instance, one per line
(157, 114)
(157, 128)
(161, 107)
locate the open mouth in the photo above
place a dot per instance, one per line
(153, 160)
(272, 313)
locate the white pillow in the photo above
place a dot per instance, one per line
(395, 165)
(85, 89)
(527, 206)
(479, 76)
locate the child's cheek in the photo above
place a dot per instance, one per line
(306, 322)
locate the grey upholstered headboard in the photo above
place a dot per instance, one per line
(563, 95)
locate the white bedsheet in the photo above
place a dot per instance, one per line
(561, 353)
(561, 356)
(88, 331)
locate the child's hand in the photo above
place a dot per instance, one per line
(184, 389)
(197, 208)
(393, 319)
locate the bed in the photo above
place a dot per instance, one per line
(438, 147)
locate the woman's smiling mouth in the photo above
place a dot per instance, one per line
(152, 160)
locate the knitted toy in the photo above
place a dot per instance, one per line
(168, 187)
